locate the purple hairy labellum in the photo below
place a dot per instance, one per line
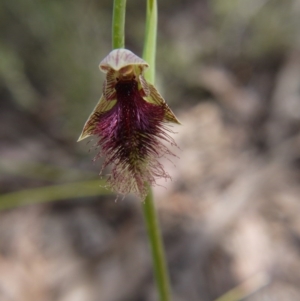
(130, 123)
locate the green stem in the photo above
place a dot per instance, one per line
(118, 27)
(153, 229)
(149, 53)
(157, 249)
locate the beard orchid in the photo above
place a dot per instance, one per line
(130, 124)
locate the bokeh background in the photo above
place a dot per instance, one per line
(230, 70)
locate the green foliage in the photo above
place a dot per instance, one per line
(255, 28)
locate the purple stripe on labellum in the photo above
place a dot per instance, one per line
(129, 138)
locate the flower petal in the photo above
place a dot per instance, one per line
(91, 123)
(109, 90)
(120, 58)
(153, 96)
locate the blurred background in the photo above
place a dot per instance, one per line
(230, 70)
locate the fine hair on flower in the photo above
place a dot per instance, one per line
(130, 123)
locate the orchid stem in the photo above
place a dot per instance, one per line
(118, 24)
(153, 228)
(157, 249)
(149, 53)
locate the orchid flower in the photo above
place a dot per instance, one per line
(130, 123)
